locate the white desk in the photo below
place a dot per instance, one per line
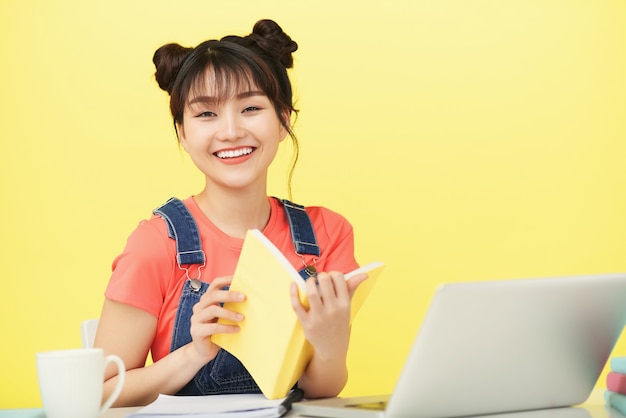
(593, 408)
(38, 413)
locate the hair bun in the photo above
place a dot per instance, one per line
(167, 60)
(271, 38)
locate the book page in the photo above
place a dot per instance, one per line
(255, 405)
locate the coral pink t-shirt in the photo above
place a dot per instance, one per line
(146, 276)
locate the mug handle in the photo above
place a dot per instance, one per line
(120, 381)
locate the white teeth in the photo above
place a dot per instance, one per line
(234, 153)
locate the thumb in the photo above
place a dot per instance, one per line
(354, 282)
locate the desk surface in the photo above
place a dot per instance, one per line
(593, 408)
(38, 413)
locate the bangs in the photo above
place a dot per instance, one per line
(222, 83)
(222, 70)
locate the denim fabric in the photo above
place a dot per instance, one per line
(302, 234)
(224, 374)
(301, 229)
(182, 227)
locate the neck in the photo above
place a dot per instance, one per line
(235, 213)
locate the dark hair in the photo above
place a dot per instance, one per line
(260, 59)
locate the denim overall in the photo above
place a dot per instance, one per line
(224, 374)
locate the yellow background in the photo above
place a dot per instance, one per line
(464, 139)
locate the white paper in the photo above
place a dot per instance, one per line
(211, 406)
(363, 269)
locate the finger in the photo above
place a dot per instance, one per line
(221, 285)
(204, 309)
(229, 296)
(219, 328)
(212, 295)
(326, 286)
(204, 316)
(354, 282)
(202, 331)
(218, 293)
(312, 293)
(213, 313)
(295, 302)
(222, 281)
(229, 315)
(340, 284)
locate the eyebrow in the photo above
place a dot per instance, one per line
(213, 99)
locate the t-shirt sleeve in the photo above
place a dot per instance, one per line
(142, 271)
(336, 238)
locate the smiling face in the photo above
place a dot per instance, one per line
(232, 104)
(232, 138)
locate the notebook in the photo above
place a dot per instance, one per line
(500, 346)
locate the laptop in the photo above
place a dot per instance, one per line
(500, 346)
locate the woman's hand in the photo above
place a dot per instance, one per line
(326, 326)
(326, 323)
(206, 313)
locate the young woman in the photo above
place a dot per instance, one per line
(231, 102)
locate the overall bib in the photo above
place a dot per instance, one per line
(224, 374)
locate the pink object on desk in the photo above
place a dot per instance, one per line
(616, 382)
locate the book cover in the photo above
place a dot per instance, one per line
(616, 382)
(271, 343)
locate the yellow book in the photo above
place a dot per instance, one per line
(271, 343)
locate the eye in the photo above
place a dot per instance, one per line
(251, 109)
(206, 114)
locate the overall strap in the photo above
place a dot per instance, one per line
(302, 235)
(182, 227)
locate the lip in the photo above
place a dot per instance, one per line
(233, 159)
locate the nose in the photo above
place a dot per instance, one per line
(230, 127)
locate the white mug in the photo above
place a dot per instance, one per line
(71, 382)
